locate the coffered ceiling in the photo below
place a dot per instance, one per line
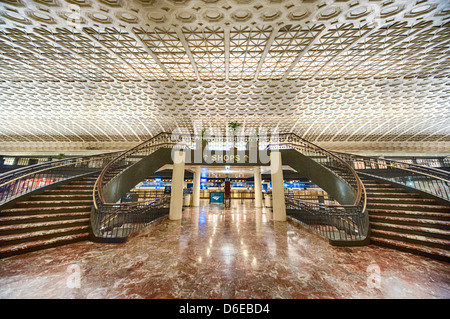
(357, 75)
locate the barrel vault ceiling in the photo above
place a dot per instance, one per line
(356, 75)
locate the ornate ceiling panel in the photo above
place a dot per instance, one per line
(356, 75)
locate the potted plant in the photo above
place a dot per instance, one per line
(61, 155)
(234, 126)
(204, 142)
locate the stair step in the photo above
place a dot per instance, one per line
(38, 210)
(416, 207)
(411, 221)
(425, 231)
(84, 182)
(68, 191)
(432, 252)
(6, 251)
(384, 189)
(41, 224)
(62, 197)
(409, 213)
(406, 221)
(74, 186)
(55, 217)
(374, 184)
(6, 240)
(401, 200)
(405, 194)
(49, 203)
(26, 219)
(412, 238)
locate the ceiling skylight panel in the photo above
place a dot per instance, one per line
(246, 48)
(167, 47)
(207, 46)
(127, 49)
(287, 45)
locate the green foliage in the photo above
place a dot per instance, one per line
(234, 126)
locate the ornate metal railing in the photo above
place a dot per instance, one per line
(119, 220)
(341, 224)
(429, 180)
(338, 222)
(22, 181)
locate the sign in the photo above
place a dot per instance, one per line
(129, 197)
(240, 157)
(215, 197)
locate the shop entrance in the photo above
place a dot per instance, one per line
(219, 186)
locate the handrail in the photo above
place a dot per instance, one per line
(24, 180)
(110, 219)
(360, 187)
(401, 165)
(98, 191)
(341, 224)
(31, 167)
(32, 172)
(52, 163)
(430, 180)
(101, 177)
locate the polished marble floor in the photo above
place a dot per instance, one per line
(222, 253)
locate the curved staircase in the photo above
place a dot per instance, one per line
(406, 220)
(399, 218)
(55, 217)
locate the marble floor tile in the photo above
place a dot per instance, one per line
(222, 253)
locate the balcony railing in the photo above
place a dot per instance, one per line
(19, 182)
(433, 181)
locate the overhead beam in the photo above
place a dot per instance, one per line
(147, 49)
(305, 50)
(266, 51)
(185, 44)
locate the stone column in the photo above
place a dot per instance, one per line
(278, 204)
(176, 198)
(196, 190)
(258, 186)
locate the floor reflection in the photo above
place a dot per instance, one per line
(213, 252)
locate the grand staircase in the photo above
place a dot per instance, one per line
(406, 220)
(56, 217)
